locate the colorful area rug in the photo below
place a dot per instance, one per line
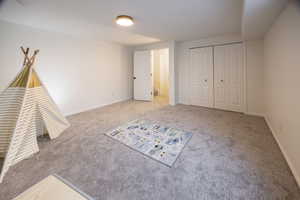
(161, 143)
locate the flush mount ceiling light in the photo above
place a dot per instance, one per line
(124, 20)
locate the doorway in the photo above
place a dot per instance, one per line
(160, 74)
(152, 75)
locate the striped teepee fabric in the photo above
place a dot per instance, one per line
(25, 109)
(10, 105)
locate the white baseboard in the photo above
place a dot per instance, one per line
(97, 106)
(288, 160)
(255, 114)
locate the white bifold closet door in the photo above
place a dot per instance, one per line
(201, 77)
(229, 77)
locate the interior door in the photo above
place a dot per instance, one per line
(201, 77)
(229, 77)
(142, 75)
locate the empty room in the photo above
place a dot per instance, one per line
(149, 100)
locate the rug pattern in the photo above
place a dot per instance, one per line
(159, 142)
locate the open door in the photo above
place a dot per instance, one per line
(143, 75)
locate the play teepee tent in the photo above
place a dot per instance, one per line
(25, 110)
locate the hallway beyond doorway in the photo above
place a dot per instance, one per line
(160, 69)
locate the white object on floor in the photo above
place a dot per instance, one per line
(53, 188)
(25, 109)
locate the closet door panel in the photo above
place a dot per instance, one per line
(201, 77)
(236, 78)
(229, 75)
(220, 65)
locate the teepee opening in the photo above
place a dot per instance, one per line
(26, 112)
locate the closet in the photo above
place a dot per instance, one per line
(217, 77)
(201, 77)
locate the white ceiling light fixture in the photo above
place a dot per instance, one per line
(124, 20)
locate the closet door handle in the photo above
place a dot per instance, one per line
(222, 81)
(205, 80)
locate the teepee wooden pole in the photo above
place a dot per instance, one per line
(26, 53)
(32, 60)
(26, 59)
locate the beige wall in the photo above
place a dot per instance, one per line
(282, 83)
(255, 73)
(79, 74)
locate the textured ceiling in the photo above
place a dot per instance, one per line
(259, 15)
(155, 20)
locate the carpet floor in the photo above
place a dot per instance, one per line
(230, 156)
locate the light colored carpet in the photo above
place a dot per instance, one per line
(230, 156)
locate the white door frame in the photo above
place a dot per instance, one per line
(171, 46)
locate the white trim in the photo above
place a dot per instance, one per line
(255, 114)
(189, 78)
(288, 160)
(152, 75)
(245, 81)
(97, 106)
(172, 74)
